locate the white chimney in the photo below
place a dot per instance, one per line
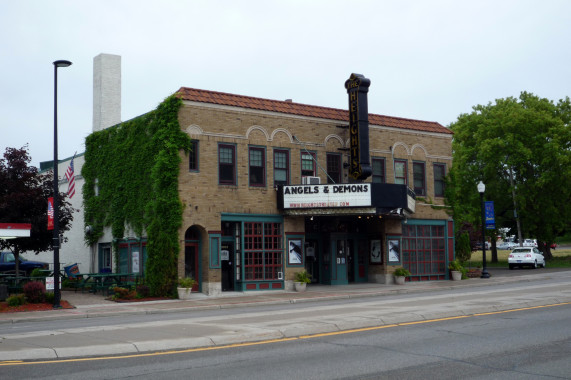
(106, 91)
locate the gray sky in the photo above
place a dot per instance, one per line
(428, 60)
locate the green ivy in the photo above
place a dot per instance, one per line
(135, 166)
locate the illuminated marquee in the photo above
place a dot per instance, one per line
(330, 196)
(357, 87)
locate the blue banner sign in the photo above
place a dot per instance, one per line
(489, 214)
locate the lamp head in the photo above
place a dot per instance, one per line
(62, 63)
(481, 187)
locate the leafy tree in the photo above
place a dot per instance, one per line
(521, 149)
(24, 194)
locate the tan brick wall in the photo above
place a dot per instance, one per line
(205, 199)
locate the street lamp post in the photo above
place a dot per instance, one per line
(481, 189)
(56, 240)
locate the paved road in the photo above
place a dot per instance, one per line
(217, 322)
(499, 345)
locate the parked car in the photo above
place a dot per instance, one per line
(478, 245)
(507, 245)
(530, 243)
(526, 256)
(8, 264)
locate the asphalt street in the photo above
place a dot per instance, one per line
(99, 327)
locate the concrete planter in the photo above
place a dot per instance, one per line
(399, 280)
(300, 286)
(456, 275)
(184, 293)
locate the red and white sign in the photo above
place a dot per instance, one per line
(14, 230)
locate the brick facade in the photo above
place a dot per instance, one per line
(243, 123)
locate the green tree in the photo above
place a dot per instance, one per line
(527, 139)
(24, 194)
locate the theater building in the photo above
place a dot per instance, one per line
(268, 192)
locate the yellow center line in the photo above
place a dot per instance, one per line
(269, 341)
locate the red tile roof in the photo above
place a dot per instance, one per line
(291, 108)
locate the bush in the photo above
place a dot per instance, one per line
(50, 297)
(401, 272)
(16, 300)
(143, 291)
(37, 272)
(456, 266)
(35, 292)
(463, 248)
(303, 276)
(123, 293)
(186, 282)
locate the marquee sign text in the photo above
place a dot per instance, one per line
(321, 196)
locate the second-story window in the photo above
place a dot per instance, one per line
(281, 167)
(418, 173)
(333, 168)
(193, 156)
(257, 167)
(439, 173)
(307, 164)
(226, 164)
(379, 170)
(400, 172)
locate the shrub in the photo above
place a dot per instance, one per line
(143, 291)
(401, 272)
(303, 276)
(463, 248)
(186, 282)
(37, 272)
(50, 297)
(35, 292)
(456, 266)
(123, 293)
(16, 300)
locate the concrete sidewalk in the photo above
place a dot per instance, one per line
(369, 307)
(88, 305)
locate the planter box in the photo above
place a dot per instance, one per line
(184, 293)
(456, 275)
(300, 286)
(399, 280)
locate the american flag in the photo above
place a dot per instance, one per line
(70, 175)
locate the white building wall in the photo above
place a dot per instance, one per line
(74, 250)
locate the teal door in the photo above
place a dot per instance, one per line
(341, 253)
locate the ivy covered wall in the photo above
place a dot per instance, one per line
(134, 168)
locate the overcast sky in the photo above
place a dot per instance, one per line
(427, 60)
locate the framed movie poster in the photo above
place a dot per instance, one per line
(376, 256)
(394, 250)
(295, 252)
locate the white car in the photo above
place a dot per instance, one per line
(523, 256)
(508, 245)
(530, 243)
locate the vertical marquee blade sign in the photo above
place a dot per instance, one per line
(357, 87)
